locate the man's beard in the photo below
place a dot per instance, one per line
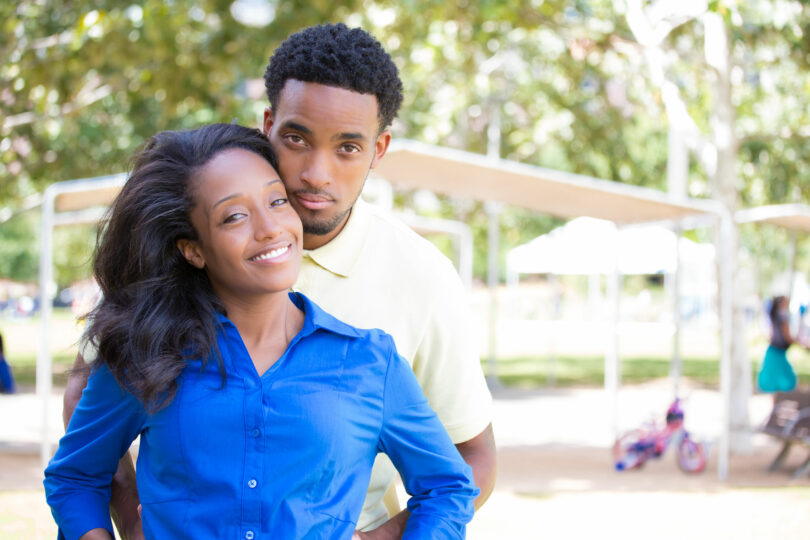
(323, 227)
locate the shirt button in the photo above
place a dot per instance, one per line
(249, 535)
(255, 432)
(252, 483)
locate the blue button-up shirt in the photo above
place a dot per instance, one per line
(286, 455)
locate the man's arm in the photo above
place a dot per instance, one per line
(479, 453)
(124, 499)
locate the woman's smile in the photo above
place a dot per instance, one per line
(272, 255)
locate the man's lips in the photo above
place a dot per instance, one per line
(311, 201)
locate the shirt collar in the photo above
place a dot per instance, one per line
(315, 319)
(341, 253)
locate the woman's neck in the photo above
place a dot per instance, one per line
(266, 324)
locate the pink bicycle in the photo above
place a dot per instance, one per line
(634, 448)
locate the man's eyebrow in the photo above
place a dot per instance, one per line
(345, 136)
(348, 136)
(297, 127)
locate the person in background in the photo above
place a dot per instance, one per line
(776, 373)
(6, 376)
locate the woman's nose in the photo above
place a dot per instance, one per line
(266, 225)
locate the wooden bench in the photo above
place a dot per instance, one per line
(790, 422)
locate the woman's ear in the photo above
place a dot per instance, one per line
(191, 252)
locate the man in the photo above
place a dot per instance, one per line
(333, 93)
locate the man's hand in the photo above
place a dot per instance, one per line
(390, 530)
(479, 453)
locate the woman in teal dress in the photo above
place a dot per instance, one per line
(776, 374)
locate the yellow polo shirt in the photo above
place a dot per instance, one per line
(378, 273)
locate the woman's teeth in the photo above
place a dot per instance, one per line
(272, 254)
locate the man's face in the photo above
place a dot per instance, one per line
(327, 140)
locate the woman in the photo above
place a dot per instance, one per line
(776, 374)
(259, 414)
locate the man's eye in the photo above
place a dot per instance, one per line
(277, 202)
(295, 139)
(350, 148)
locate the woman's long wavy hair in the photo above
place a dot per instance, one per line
(157, 309)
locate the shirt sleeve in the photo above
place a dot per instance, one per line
(434, 474)
(77, 480)
(447, 364)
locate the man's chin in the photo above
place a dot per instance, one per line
(319, 229)
(323, 227)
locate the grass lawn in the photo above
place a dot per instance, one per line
(590, 370)
(21, 339)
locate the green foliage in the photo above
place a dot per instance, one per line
(19, 258)
(83, 84)
(72, 257)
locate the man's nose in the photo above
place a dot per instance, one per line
(317, 172)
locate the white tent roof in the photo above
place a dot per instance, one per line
(413, 165)
(794, 217)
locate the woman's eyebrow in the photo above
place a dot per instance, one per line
(227, 198)
(235, 195)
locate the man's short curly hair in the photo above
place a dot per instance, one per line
(335, 55)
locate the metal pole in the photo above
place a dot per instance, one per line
(792, 262)
(612, 365)
(675, 365)
(493, 210)
(44, 372)
(726, 315)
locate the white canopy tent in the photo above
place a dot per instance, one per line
(588, 246)
(593, 247)
(411, 165)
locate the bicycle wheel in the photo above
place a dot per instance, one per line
(691, 456)
(629, 450)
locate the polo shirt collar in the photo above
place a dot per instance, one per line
(341, 254)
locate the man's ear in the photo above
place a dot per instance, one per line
(268, 121)
(191, 252)
(381, 147)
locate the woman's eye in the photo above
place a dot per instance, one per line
(277, 202)
(233, 217)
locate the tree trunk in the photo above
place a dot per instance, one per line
(737, 379)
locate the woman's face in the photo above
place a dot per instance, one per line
(249, 236)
